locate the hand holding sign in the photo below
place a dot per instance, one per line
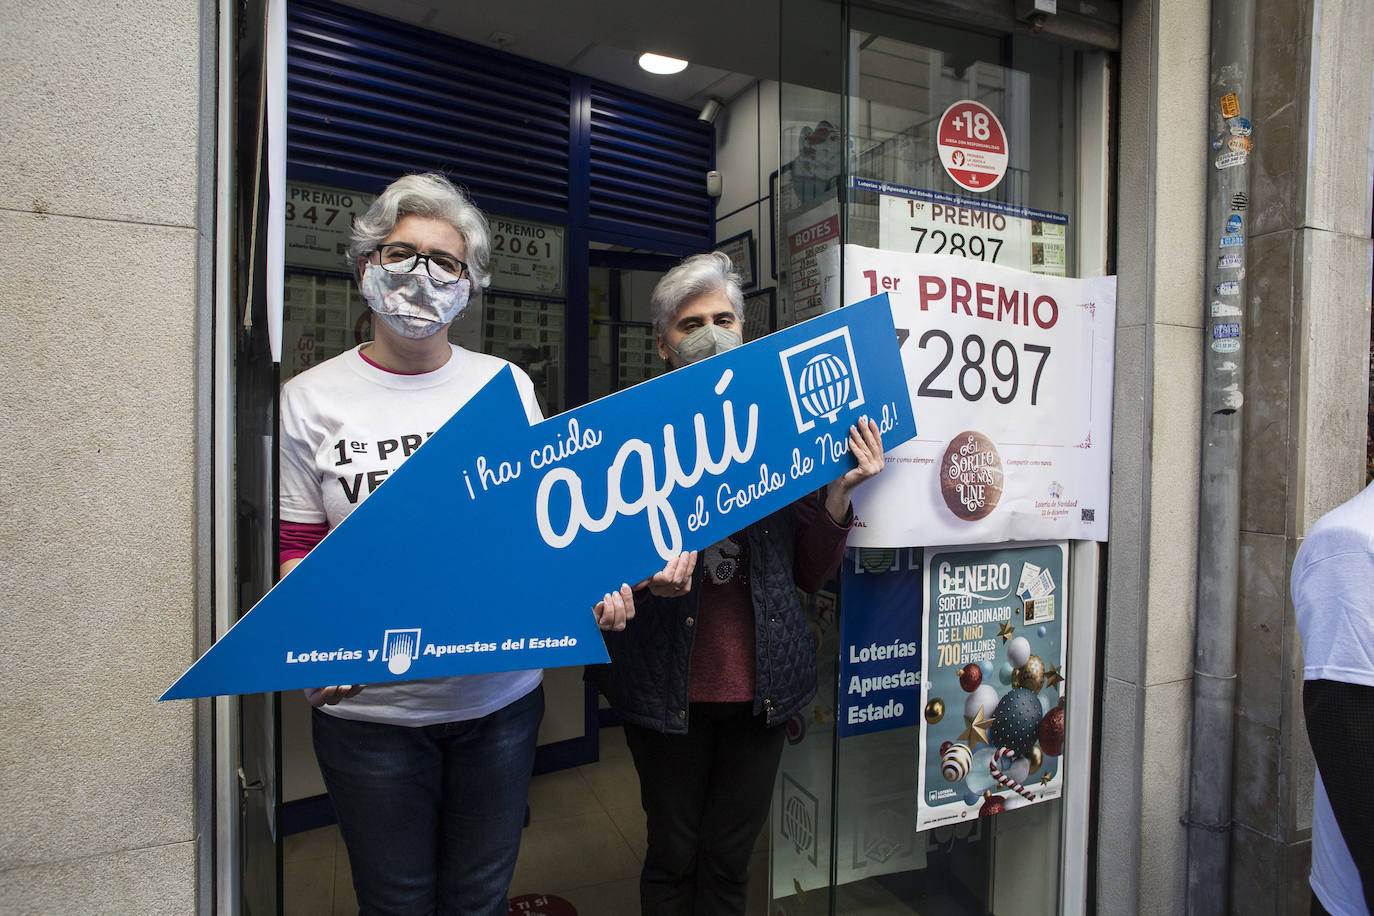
(675, 579)
(866, 445)
(331, 696)
(616, 609)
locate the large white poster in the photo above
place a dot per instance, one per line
(1010, 376)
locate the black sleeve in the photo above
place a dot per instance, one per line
(1340, 725)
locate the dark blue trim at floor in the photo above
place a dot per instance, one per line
(561, 755)
(307, 814)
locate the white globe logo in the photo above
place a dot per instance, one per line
(798, 824)
(824, 386)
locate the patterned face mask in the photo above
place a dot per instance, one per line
(707, 340)
(412, 304)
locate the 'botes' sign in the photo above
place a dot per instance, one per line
(486, 550)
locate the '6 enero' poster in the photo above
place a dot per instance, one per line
(1010, 376)
(992, 725)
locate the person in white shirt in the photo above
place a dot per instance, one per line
(1333, 595)
(428, 778)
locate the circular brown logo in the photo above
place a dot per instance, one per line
(971, 475)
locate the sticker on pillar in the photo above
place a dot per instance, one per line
(1238, 144)
(1240, 201)
(1229, 288)
(1226, 345)
(1223, 310)
(1232, 158)
(1232, 261)
(1230, 105)
(1232, 241)
(972, 145)
(1225, 331)
(1233, 223)
(1239, 127)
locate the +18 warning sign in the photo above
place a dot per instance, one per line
(973, 145)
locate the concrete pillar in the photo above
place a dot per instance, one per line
(1147, 688)
(103, 234)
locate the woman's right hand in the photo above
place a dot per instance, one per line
(675, 580)
(330, 696)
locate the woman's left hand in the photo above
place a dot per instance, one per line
(866, 445)
(615, 609)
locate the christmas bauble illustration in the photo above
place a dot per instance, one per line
(955, 761)
(1017, 721)
(1052, 732)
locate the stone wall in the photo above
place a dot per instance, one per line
(102, 233)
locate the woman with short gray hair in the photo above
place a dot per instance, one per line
(429, 195)
(719, 655)
(429, 777)
(695, 276)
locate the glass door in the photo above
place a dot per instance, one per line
(866, 103)
(623, 349)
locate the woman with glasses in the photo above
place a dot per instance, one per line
(428, 778)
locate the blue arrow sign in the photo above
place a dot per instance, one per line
(521, 529)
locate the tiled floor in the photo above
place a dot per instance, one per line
(585, 843)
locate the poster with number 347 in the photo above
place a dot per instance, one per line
(1010, 377)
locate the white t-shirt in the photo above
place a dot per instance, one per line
(1333, 595)
(345, 425)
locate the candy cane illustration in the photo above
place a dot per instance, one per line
(1002, 778)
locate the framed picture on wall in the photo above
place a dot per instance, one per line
(740, 248)
(760, 313)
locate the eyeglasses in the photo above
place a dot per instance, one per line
(401, 259)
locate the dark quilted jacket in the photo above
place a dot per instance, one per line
(648, 679)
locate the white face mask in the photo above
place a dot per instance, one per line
(412, 304)
(707, 340)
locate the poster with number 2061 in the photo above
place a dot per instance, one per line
(1010, 375)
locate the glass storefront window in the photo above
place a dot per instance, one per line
(862, 96)
(322, 316)
(529, 333)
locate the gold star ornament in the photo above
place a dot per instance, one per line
(1045, 779)
(1005, 629)
(1052, 676)
(977, 731)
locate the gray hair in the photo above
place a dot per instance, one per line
(431, 195)
(696, 276)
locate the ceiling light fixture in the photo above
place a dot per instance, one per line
(657, 63)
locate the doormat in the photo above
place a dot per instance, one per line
(541, 905)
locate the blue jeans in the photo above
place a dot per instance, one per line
(431, 815)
